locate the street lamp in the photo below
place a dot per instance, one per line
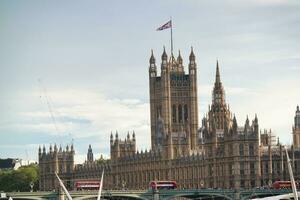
(31, 186)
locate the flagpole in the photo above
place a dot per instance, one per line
(171, 36)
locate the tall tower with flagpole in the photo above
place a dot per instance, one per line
(173, 103)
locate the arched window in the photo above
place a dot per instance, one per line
(174, 114)
(185, 113)
(158, 111)
(179, 113)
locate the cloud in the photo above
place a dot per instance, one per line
(81, 114)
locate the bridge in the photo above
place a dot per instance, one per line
(202, 194)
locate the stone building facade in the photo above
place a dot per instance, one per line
(218, 154)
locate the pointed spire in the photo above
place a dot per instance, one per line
(298, 108)
(218, 79)
(164, 56)
(247, 120)
(192, 55)
(256, 119)
(128, 136)
(152, 58)
(234, 120)
(179, 58)
(133, 135)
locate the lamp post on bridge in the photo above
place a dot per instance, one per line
(31, 186)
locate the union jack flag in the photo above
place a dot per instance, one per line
(165, 26)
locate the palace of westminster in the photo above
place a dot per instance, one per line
(219, 153)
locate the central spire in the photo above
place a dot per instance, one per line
(218, 78)
(218, 91)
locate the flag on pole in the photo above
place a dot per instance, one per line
(165, 26)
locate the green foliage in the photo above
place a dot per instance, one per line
(19, 180)
(101, 160)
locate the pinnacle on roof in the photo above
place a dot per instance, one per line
(247, 120)
(128, 136)
(218, 78)
(192, 55)
(298, 108)
(255, 119)
(164, 56)
(152, 59)
(179, 58)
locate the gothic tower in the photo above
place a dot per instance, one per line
(219, 113)
(173, 103)
(90, 155)
(296, 130)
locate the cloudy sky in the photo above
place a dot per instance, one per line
(86, 62)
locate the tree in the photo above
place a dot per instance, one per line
(20, 180)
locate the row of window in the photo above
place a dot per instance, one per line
(179, 113)
(251, 150)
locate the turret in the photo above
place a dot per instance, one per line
(40, 151)
(234, 124)
(44, 149)
(55, 148)
(117, 137)
(247, 125)
(128, 136)
(297, 118)
(133, 136)
(164, 59)
(193, 118)
(90, 155)
(179, 58)
(152, 67)
(255, 125)
(111, 138)
(296, 129)
(192, 57)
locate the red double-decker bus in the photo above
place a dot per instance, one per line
(87, 185)
(158, 185)
(283, 185)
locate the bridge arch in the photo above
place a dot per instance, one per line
(127, 196)
(28, 198)
(198, 195)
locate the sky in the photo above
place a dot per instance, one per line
(75, 71)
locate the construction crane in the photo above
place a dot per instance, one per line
(44, 92)
(48, 100)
